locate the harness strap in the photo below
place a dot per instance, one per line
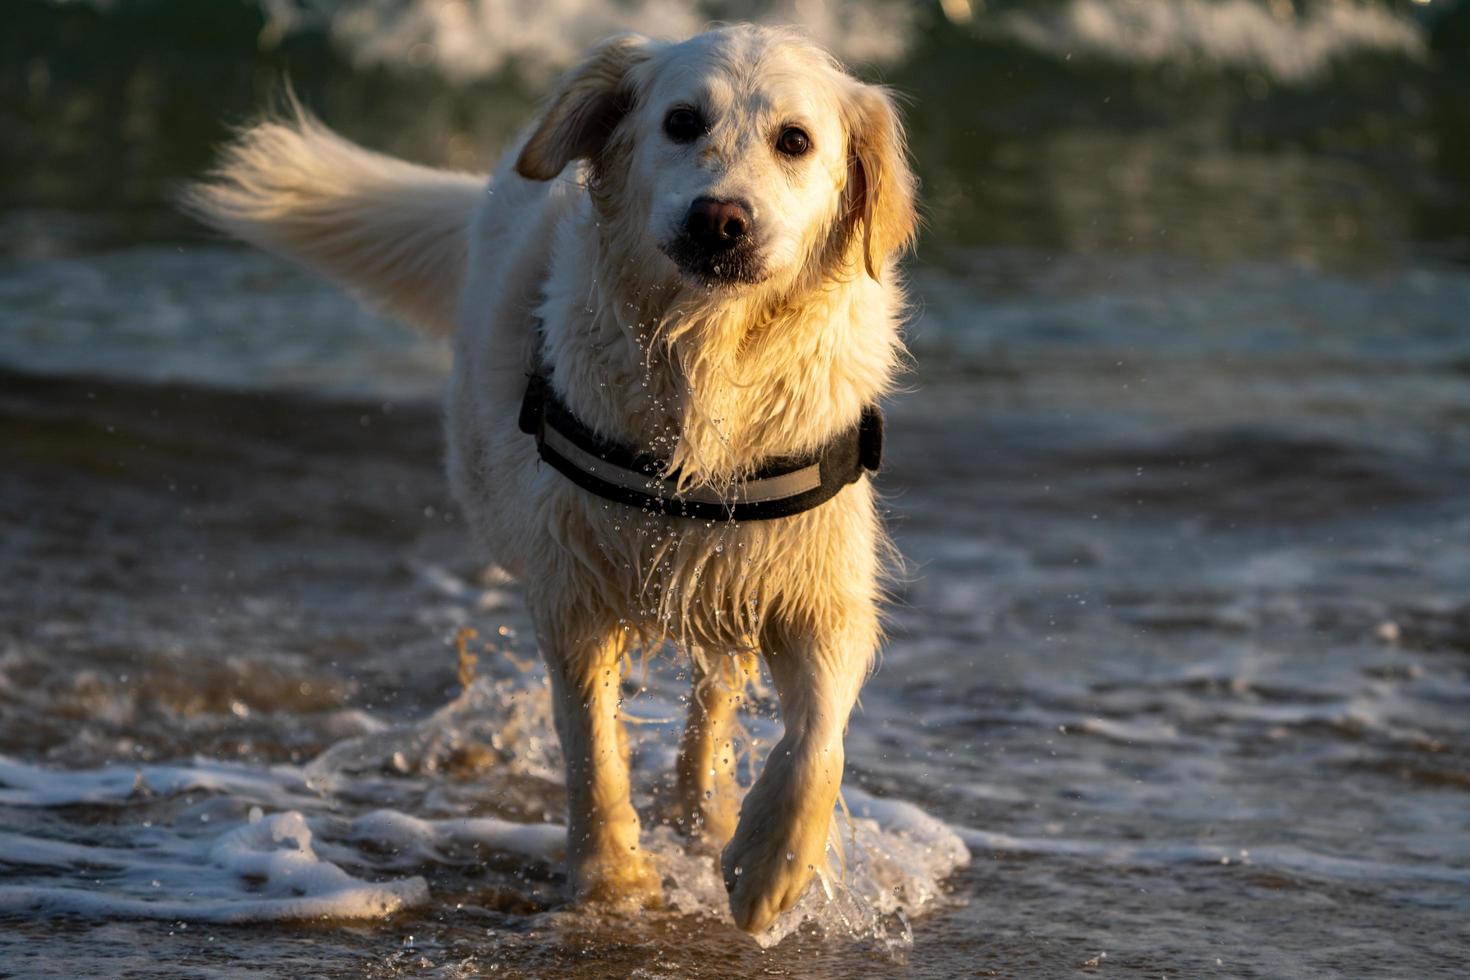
(616, 471)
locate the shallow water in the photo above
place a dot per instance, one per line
(1181, 656)
(1179, 676)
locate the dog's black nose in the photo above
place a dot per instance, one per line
(717, 225)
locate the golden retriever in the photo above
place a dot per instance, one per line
(694, 244)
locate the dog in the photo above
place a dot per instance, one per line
(689, 253)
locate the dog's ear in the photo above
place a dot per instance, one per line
(881, 184)
(588, 103)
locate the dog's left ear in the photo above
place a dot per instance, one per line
(881, 185)
(590, 100)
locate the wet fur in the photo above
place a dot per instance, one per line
(557, 264)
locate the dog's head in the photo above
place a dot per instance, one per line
(741, 158)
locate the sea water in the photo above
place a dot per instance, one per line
(1178, 675)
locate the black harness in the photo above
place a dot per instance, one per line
(783, 486)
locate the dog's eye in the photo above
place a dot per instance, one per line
(684, 126)
(793, 142)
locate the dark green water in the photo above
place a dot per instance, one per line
(1184, 479)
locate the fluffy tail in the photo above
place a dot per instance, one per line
(393, 232)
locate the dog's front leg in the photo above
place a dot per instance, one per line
(604, 859)
(781, 838)
(707, 789)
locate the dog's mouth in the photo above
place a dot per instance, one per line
(739, 265)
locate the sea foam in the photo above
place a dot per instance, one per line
(215, 842)
(1272, 39)
(475, 39)
(484, 38)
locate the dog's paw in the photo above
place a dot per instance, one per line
(617, 880)
(769, 863)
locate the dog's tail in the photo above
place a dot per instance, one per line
(393, 232)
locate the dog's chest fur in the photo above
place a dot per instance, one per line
(717, 382)
(719, 385)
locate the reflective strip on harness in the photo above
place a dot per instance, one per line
(753, 491)
(619, 472)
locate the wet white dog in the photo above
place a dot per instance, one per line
(693, 244)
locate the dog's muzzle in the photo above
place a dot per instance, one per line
(717, 243)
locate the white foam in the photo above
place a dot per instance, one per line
(484, 38)
(420, 841)
(264, 869)
(283, 843)
(887, 861)
(21, 850)
(895, 860)
(1249, 35)
(510, 718)
(32, 786)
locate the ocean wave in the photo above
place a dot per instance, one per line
(209, 315)
(471, 39)
(468, 40)
(1274, 38)
(1282, 858)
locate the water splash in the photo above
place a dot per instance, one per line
(217, 842)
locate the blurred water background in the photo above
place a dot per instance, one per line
(1179, 683)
